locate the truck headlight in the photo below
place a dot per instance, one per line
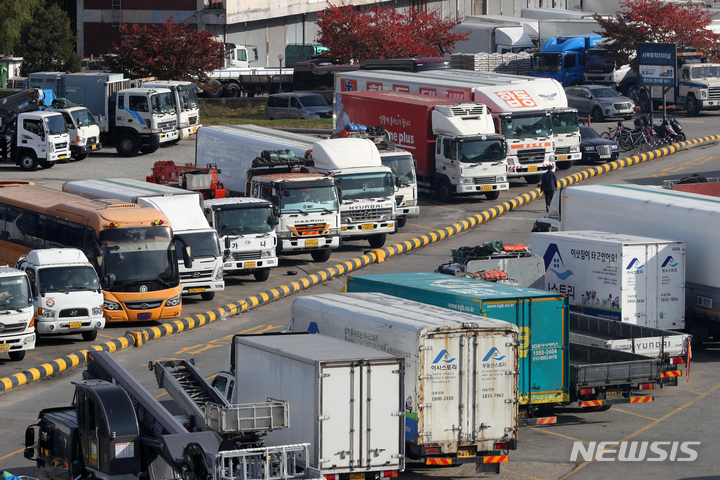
(219, 274)
(347, 220)
(465, 180)
(410, 203)
(97, 310)
(510, 161)
(266, 253)
(575, 148)
(703, 93)
(501, 179)
(47, 313)
(52, 147)
(111, 305)
(173, 302)
(284, 234)
(333, 232)
(155, 130)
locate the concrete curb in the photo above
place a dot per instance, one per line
(140, 336)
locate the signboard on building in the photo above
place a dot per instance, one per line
(656, 63)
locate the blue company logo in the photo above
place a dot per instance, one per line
(444, 356)
(494, 354)
(667, 263)
(634, 263)
(553, 262)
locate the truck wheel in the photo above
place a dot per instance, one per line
(692, 107)
(597, 115)
(45, 164)
(233, 91)
(445, 192)
(401, 222)
(262, 275)
(28, 161)
(79, 156)
(89, 335)
(492, 195)
(645, 103)
(18, 355)
(218, 92)
(152, 149)
(321, 255)
(533, 179)
(207, 296)
(127, 145)
(377, 241)
(564, 165)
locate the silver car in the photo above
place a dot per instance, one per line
(600, 102)
(297, 105)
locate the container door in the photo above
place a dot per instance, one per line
(670, 287)
(384, 428)
(340, 415)
(635, 267)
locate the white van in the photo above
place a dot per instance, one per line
(66, 292)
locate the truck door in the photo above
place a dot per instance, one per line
(340, 410)
(31, 134)
(382, 406)
(87, 408)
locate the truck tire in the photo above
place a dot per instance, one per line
(152, 149)
(565, 165)
(691, 106)
(28, 161)
(445, 192)
(127, 145)
(17, 355)
(233, 91)
(377, 241)
(79, 156)
(492, 195)
(89, 335)
(401, 222)
(262, 275)
(533, 179)
(321, 255)
(597, 115)
(207, 296)
(218, 89)
(45, 164)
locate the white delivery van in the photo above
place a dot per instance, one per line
(66, 292)
(16, 314)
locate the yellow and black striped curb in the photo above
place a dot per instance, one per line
(140, 336)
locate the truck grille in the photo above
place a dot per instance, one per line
(246, 256)
(562, 150)
(146, 305)
(61, 146)
(365, 215)
(73, 312)
(310, 229)
(14, 327)
(189, 276)
(604, 150)
(595, 78)
(531, 155)
(714, 93)
(483, 180)
(165, 126)
(192, 120)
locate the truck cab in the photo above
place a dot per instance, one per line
(16, 313)
(186, 103)
(142, 119)
(698, 87)
(246, 227)
(83, 130)
(66, 292)
(563, 58)
(403, 167)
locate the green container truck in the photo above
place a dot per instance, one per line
(552, 370)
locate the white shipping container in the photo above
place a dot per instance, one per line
(461, 376)
(346, 400)
(628, 278)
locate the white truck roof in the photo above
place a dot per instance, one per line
(184, 212)
(56, 256)
(126, 189)
(340, 153)
(234, 201)
(7, 271)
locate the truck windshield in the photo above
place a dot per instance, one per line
(705, 72)
(243, 221)
(189, 98)
(367, 185)
(402, 166)
(202, 244)
(547, 62)
(564, 122)
(309, 199)
(14, 292)
(55, 125)
(144, 255)
(599, 62)
(525, 127)
(475, 151)
(162, 103)
(83, 118)
(67, 279)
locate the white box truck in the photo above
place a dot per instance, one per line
(461, 378)
(184, 209)
(66, 292)
(657, 212)
(16, 313)
(492, 38)
(345, 400)
(621, 277)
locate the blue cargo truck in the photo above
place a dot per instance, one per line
(553, 371)
(563, 58)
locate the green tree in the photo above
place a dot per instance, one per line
(48, 44)
(14, 16)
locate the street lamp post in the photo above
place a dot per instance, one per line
(280, 58)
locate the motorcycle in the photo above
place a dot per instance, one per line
(669, 131)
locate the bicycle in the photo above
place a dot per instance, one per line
(634, 94)
(614, 132)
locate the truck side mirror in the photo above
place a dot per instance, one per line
(227, 243)
(254, 49)
(275, 199)
(398, 182)
(187, 258)
(29, 452)
(107, 280)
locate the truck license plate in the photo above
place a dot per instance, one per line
(75, 324)
(562, 158)
(93, 147)
(486, 188)
(249, 264)
(614, 393)
(532, 168)
(62, 157)
(312, 242)
(465, 453)
(196, 290)
(4, 347)
(357, 476)
(367, 226)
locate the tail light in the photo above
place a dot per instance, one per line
(501, 446)
(647, 386)
(330, 476)
(389, 474)
(676, 360)
(429, 450)
(587, 391)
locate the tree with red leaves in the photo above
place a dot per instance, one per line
(168, 51)
(651, 21)
(379, 32)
